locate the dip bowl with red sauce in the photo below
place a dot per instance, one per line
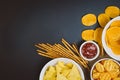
(89, 50)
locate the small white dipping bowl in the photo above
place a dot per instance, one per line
(98, 62)
(89, 59)
(107, 49)
(54, 62)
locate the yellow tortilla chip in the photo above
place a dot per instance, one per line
(88, 34)
(112, 11)
(115, 23)
(61, 77)
(103, 19)
(74, 74)
(89, 19)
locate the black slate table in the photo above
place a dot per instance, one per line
(24, 23)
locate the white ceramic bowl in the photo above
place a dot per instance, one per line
(54, 62)
(107, 49)
(99, 61)
(98, 50)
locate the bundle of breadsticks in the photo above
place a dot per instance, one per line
(61, 50)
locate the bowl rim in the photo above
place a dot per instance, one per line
(98, 50)
(99, 61)
(106, 48)
(54, 61)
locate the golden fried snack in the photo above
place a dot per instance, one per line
(89, 19)
(99, 67)
(112, 11)
(98, 34)
(105, 76)
(113, 39)
(115, 23)
(109, 65)
(114, 73)
(88, 34)
(116, 50)
(96, 75)
(103, 19)
(118, 78)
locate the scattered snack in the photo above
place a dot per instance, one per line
(113, 39)
(89, 19)
(112, 11)
(106, 70)
(88, 34)
(62, 71)
(98, 38)
(103, 19)
(58, 50)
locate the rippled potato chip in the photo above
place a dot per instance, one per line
(110, 65)
(112, 11)
(89, 19)
(96, 75)
(88, 34)
(115, 23)
(106, 70)
(105, 76)
(117, 78)
(103, 19)
(99, 67)
(114, 73)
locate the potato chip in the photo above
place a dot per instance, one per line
(103, 19)
(99, 67)
(89, 19)
(109, 65)
(96, 75)
(88, 34)
(105, 76)
(118, 78)
(94, 70)
(113, 33)
(98, 34)
(113, 39)
(114, 73)
(115, 23)
(112, 11)
(116, 50)
(98, 38)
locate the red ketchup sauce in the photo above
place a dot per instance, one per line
(89, 50)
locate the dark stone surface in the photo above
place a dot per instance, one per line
(24, 23)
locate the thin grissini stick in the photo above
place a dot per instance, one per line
(58, 50)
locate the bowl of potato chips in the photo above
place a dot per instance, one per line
(105, 69)
(111, 38)
(62, 69)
